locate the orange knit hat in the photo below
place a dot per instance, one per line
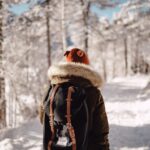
(76, 55)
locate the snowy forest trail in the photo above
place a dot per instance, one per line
(127, 103)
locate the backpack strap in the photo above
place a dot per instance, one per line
(51, 116)
(68, 116)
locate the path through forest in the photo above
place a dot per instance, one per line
(128, 108)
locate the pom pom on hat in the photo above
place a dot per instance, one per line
(76, 55)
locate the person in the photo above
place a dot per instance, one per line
(77, 70)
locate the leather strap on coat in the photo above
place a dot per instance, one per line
(68, 116)
(51, 116)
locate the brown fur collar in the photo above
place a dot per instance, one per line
(73, 69)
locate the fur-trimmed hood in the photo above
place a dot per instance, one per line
(57, 73)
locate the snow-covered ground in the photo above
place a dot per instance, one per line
(127, 103)
(128, 108)
(26, 137)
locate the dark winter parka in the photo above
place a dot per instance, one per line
(84, 76)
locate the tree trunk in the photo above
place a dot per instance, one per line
(103, 57)
(63, 31)
(86, 11)
(126, 55)
(2, 79)
(137, 60)
(114, 59)
(48, 32)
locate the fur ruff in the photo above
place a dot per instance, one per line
(73, 69)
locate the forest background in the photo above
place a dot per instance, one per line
(35, 33)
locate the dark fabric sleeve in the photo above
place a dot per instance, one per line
(41, 107)
(46, 95)
(100, 126)
(46, 125)
(46, 132)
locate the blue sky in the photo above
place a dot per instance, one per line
(19, 9)
(107, 12)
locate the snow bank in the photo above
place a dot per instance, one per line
(131, 114)
(138, 80)
(26, 137)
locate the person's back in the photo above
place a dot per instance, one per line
(77, 73)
